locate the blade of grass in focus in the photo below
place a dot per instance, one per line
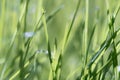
(114, 53)
(67, 33)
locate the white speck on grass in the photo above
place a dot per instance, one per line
(45, 52)
(29, 34)
(41, 51)
(118, 68)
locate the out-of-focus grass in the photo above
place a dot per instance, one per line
(59, 39)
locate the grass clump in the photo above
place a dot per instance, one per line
(43, 40)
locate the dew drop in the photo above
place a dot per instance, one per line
(29, 34)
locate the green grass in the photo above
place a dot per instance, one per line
(59, 40)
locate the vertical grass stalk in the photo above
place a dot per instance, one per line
(2, 22)
(51, 74)
(25, 18)
(85, 37)
(45, 25)
(86, 30)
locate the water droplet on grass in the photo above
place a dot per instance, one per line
(41, 51)
(29, 34)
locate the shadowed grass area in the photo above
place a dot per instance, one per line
(59, 40)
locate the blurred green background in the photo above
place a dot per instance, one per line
(10, 11)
